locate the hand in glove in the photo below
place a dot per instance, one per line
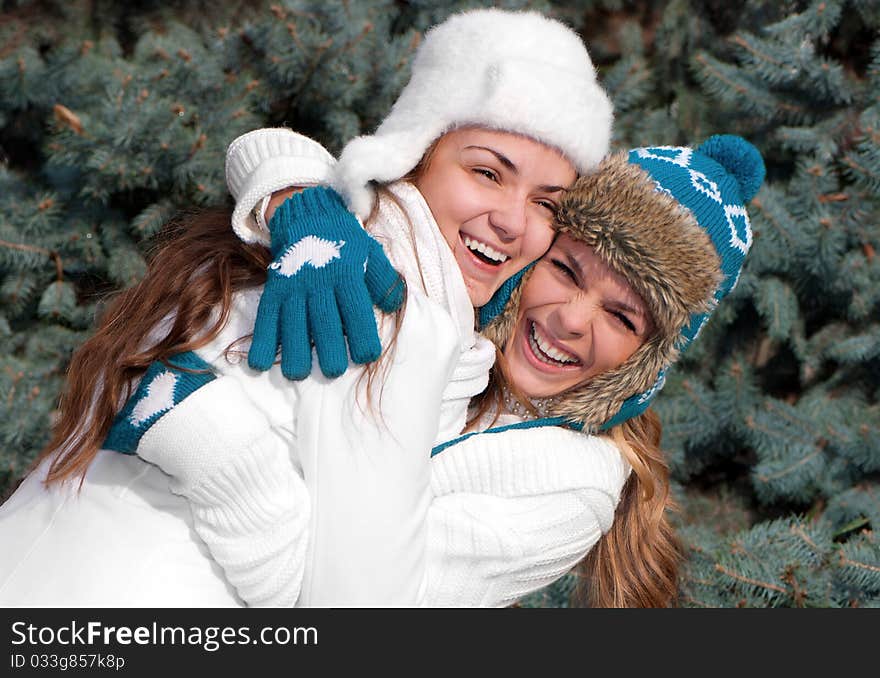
(326, 276)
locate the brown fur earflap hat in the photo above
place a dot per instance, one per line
(672, 221)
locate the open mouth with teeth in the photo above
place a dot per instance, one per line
(544, 350)
(483, 252)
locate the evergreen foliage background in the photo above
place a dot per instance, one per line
(116, 116)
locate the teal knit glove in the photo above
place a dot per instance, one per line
(321, 287)
(161, 388)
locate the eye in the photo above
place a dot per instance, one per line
(489, 174)
(549, 206)
(565, 270)
(624, 320)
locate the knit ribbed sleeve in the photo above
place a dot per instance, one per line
(249, 505)
(516, 510)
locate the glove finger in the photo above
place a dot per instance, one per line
(386, 285)
(296, 348)
(359, 322)
(264, 346)
(326, 330)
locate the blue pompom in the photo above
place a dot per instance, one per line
(740, 158)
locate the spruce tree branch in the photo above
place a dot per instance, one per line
(738, 40)
(846, 562)
(850, 526)
(798, 594)
(789, 469)
(772, 433)
(798, 530)
(852, 164)
(834, 433)
(833, 197)
(797, 422)
(764, 350)
(52, 254)
(739, 89)
(821, 441)
(687, 387)
(325, 46)
(694, 601)
(755, 582)
(368, 27)
(15, 377)
(315, 62)
(19, 34)
(702, 582)
(756, 202)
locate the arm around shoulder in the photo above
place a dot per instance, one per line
(515, 510)
(232, 463)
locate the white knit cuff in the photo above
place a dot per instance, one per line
(267, 160)
(199, 435)
(249, 492)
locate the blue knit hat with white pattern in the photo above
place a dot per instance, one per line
(672, 220)
(714, 182)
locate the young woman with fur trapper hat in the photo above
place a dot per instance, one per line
(646, 249)
(561, 466)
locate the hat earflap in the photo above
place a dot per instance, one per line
(641, 401)
(593, 403)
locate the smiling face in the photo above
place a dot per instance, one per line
(577, 319)
(493, 195)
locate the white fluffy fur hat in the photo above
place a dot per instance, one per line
(264, 161)
(511, 71)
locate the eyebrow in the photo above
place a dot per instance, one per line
(508, 163)
(574, 264)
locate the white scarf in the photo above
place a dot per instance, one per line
(415, 246)
(418, 250)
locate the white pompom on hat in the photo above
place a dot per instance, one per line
(517, 72)
(263, 161)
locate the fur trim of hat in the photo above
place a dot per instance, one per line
(646, 236)
(518, 72)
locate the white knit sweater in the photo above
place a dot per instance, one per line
(235, 447)
(515, 510)
(509, 512)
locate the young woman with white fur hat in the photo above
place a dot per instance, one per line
(474, 83)
(501, 112)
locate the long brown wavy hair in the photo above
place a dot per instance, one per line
(195, 266)
(636, 563)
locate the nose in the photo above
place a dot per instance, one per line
(509, 219)
(573, 319)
